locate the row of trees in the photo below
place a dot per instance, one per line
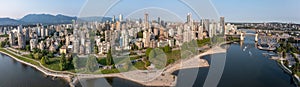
(38, 54)
(5, 42)
(91, 63)
(65, 63)
(285, 48)
(166, 49)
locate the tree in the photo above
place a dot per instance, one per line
(91, 64)
(27, 48)
(96, 49)
(109, 58)
(45, 60)
(134, 47)
(284, 54)
(62, 62)
(279, 49)
(98, 33)
(148, 51)
(3, 43)
(31, 55)
(75, 62)
(158, 58)
(167, 49)
(44, 52)
(50, 55)
(36, 50)
(140, 34)
(37, 56)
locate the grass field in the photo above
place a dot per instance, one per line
(21, 58)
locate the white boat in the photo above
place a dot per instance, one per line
(245, 48)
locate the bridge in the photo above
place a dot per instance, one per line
(243, 34)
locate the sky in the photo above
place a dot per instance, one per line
(232, 10)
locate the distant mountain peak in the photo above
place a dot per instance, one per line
(50, 19)
(47, 19)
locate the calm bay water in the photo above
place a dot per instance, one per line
(15, 74)
(245, 66)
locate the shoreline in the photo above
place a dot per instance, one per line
(168, 79)
(73, 78)
(296, 79)
(67, 78)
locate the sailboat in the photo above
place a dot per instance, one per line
(245, 48)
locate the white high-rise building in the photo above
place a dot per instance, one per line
(120, 17)
(189, 18)
(21, 40)
(20, 28)
(212, 30)
(26, 34)
(42, 32)
(146, 38)
(179, 30)
(76, 45)
(88, 47)
(46, 32)
(33, 44)
(171, 32)
(187, 33)
(11, 38)
(124, 39)
(200, 32)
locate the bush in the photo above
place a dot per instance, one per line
(91, 64)
(148, 51)
(37, 56)
(170, 61)
(45, 60)
(167, 49)
(147, 63)
(63, 62)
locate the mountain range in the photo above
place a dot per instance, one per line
(47, 19)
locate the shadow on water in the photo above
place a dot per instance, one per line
(113, 81)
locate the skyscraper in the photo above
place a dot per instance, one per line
(21, 40)
(187, 33)
(26, 34)
(120, 17)
(146, 38)
(200, 32)
(114, 19)
(222, 24)
(189, 18)
(146, 16)
(158, 20)
(33, 44)
(125, 39)
(20, 28)
(11, 38)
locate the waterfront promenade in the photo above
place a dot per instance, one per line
(162, 77)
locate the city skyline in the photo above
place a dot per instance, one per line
(252, 11)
